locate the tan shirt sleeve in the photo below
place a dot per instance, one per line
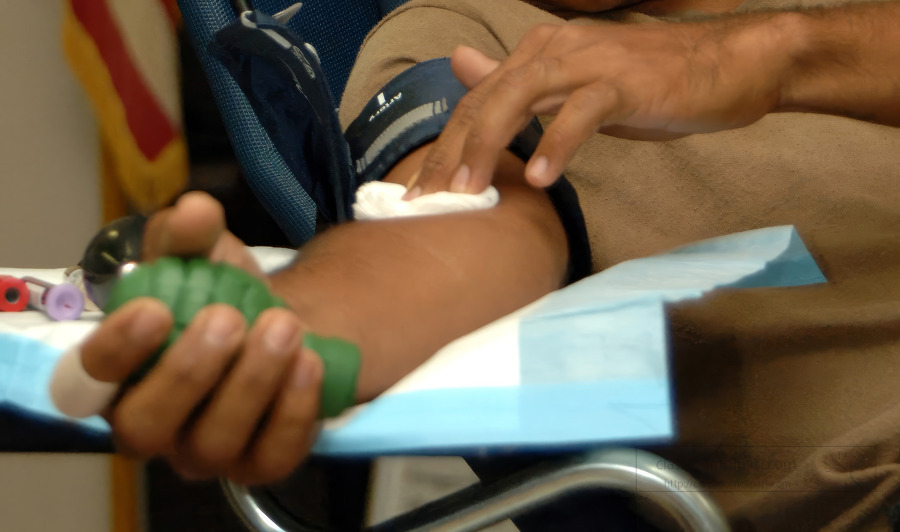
(427, 29)
(762, 377)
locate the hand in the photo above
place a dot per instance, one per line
(637, 81)
(225, 399)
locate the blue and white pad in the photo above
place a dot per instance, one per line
(584, 366)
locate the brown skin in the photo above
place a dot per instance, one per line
(662, 81)
(574, 7)
(237, 401)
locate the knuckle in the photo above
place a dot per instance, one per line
(514, 79)
(548, 67)
(272, 467)
(297, 420)
(488, 135)
(112, 351)
(581, 108)
(256, 376)
(468, 110)
(558, 136)
(214, 451)
(478, 137)
(276, 316)
(100, 363)
(437, 163)
(182, 369)
(221, 312)
(527, 78)
(568, 33)
(602, 100)
(541, 32)
(136, 438)
(588, 96)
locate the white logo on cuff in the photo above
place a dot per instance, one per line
(384, 104)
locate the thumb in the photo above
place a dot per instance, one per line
(192, 227)
(471, 66)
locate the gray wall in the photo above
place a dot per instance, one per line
(49, 154)
(49, 208)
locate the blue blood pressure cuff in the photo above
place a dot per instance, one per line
(413, 109)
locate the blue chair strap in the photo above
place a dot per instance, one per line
(336, 28)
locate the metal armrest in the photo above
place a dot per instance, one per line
(477, 506)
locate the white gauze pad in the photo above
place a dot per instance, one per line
(377, 199)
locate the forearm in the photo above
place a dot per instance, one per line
(403, 288)
(844, 61)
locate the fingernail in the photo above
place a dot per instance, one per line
(412, 194)
(220, 328)
(460, 179)
(536, 169)
(282, 336)
(306, 372)
(413, 179)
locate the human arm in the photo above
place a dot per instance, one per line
(846, 61)
(229, 401)
(427, 277)
(661, 81)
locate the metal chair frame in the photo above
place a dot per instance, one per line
(477, 507)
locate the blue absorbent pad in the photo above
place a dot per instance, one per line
(26, 366)
(30, 344)
(584, 366)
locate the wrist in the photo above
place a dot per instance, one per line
(804, 51)
(774, 43)
(757, 51)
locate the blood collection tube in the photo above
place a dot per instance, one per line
(13, 294)
(59, 301)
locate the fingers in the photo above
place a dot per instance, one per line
(637, 81)
(281, 444)
(505, 110)
(193, 227)
(150, 416)
(86, 378)
(443, 156)
(578, 119)
(225, 401)
(290, 431)
(471, 66)
(124, 340)
(218, 437)
(486, 119)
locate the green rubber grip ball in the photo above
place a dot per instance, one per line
(188, 285)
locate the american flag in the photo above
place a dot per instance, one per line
(125, 53)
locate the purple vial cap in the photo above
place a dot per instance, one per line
(64, 302)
